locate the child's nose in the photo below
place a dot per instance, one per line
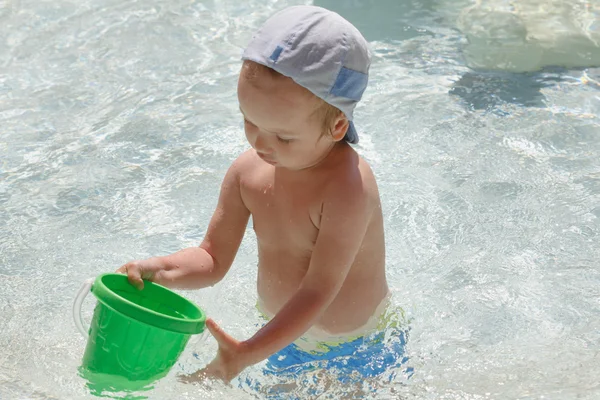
(261, 144)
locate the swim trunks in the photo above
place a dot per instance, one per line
(364, 357)
(351, 359)
(309, 369)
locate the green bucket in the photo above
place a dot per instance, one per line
(135, 336)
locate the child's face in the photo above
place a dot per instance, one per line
(281, 122)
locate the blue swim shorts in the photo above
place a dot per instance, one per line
(368, 362)
(364, 357)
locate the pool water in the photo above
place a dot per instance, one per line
(118, 120)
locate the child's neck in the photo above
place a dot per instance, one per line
(319, 162)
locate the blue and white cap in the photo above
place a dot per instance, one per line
(320, 51)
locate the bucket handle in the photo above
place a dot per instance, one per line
(85, 289)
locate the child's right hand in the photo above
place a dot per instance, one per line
(139, 270)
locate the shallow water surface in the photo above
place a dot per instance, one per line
(119, 119)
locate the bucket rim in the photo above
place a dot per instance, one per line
(142, 314)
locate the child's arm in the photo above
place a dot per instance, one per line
(202, 266)
(344, 221)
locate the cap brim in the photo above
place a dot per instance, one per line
(351, 134)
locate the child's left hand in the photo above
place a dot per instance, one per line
(230, 359)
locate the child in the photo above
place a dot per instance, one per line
(313, 200)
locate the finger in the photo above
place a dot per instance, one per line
(134, 275)
(136, 281)
(218, 333)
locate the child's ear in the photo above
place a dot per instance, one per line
(340, 126)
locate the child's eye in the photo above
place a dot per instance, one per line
(282, 140)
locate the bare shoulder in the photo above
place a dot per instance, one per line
(246, 164)
(352, 177)
(245, 160)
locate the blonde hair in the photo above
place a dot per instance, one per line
(251, 70)
(328, 114)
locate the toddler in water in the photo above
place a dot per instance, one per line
(313, 200)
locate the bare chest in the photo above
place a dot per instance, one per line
(285, 215)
